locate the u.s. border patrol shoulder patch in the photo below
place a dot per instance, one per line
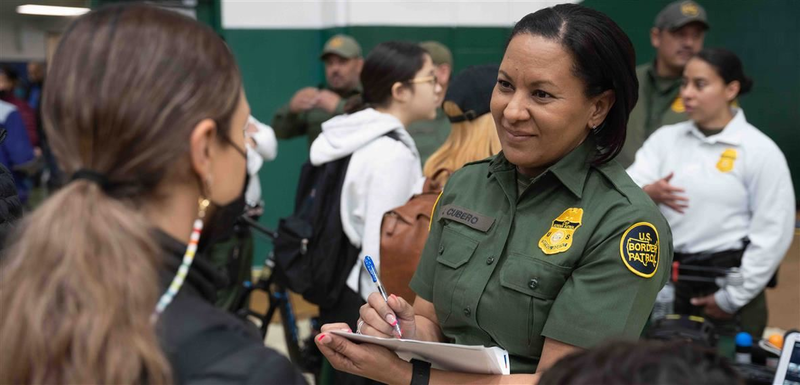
(639, 249)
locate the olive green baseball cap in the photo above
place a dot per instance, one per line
(679, 13)
(439, 52)
(341, 45)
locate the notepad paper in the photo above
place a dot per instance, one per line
(451, 357)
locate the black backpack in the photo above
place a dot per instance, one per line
(313, 255)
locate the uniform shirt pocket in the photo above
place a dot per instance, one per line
(532, 287)
(455, 250)
(533, 277)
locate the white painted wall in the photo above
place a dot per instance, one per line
(315, 14)
(24, 38)
(21, 42)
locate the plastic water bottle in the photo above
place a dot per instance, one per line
(744, 346)
(664, 302)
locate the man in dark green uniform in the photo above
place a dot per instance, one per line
(311, 106)
(677, 35)
(429, 135)
(578, 261)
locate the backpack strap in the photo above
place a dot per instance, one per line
(393, 135)
(434, 183)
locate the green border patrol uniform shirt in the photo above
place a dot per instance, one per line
(578, 257)
(429, 135)
(659, 104)
(289, 125)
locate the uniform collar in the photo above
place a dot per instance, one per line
(731, 134)
(663, 85)
(571, 170)
(349, 93)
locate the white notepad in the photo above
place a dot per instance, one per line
(451, 357)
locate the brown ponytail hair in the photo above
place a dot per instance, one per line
(127, 86)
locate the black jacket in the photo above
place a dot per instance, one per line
(10, 206)
(207, 345)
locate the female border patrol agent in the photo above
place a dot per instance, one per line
(727, 194)
(547, 247)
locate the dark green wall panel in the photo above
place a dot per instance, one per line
(470, 46)
(274, 64)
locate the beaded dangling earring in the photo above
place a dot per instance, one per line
(183, 270)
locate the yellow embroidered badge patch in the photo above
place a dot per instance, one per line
(678, 106)
(639, 249)
(562, 231)
(689, 9)
(725, 163)
(336, 42)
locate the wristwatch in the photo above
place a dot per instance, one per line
(422, 372)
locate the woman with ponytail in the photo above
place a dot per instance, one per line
(725, 189)
(106, 282)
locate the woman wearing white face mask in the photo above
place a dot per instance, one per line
(726, 191)
(152, 138)
(262, 146)
(232, 256)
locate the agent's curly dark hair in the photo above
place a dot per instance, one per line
(645, 362)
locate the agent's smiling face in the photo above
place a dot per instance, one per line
(539, 106)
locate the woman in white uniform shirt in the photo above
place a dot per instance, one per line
(726, 191)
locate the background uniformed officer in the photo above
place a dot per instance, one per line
(549, 246)
(311, 106)
(677, 35)
(429, 135)
(725, 189)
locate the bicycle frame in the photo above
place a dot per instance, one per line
(278, 300)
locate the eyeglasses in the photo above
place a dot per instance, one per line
(235, 146)
(424, 79)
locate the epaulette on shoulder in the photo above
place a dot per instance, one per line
(487, 160)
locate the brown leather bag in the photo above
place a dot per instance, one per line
(404, 231)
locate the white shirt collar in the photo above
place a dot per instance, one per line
(732, 133)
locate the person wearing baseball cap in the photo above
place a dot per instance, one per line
(311, 106)
(473, 135)
(677, 35)
(429, 135)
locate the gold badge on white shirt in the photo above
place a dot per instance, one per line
(726, 160)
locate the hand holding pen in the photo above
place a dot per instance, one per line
(383, 314)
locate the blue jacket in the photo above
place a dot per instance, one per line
(16, 149)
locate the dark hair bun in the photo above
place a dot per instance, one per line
(728, 67)
(746, 85)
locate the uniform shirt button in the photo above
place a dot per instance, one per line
(467, 312)
(489, 260)
(441, 250)
(534, 283)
